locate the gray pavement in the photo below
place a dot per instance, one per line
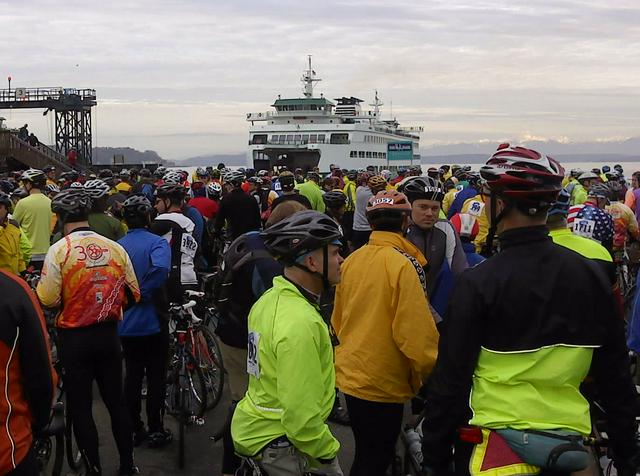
(203, 457)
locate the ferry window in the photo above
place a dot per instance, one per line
(289, 137)
(321, 138)
(353, 153)
(368, 154)
(339, 138)
(297, 137)
(361, 154)
(260, 139)
(283, 138)
(274, 138)
(313, 138)
(305, 138)
(384, 155)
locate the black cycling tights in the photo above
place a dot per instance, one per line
(376, 427)
(88, 354)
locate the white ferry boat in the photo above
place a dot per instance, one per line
(313, 131)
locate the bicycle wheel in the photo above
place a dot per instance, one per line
(209, 356)
(185, 374)
(42, 447)
(74, 455)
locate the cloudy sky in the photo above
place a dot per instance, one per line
(178, 77)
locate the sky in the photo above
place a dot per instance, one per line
(179, 77)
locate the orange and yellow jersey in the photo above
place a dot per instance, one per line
(624, 224)
(90, 276)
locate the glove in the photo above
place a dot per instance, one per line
(328, 468)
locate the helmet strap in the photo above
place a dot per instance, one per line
(488, 249)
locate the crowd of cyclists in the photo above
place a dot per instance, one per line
(490, 302)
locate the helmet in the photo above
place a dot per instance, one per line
(170, 190)
(214, 189)
(263, 173)
(124, 173)
(402, 171)
(172, 177)
(71, 176)
(376, 182)
(334, 199)
(605, 169)
(235, 177)
(96, 188)
(575, 173)
(523, 175)
(215, 174)
(105, 173)
(388, 201)
(255, 180)
(352, 174)
(145, 173)
(74, 201)
(160, 171)
(33, 175)
(561, 204)
(287, 181)
(386, 174)
(588, 176)
(618, 167)
(201, 172)
(466, 225)
(52, 188)
(311, 175)
(19, 192)
(6, 186)
(426, 188)
(48, 168)
(76, 185)
(136, 206)
(599, 190)
(5, 199)
(299, 234)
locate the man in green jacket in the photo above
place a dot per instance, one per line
(280, 424)
(312, 191)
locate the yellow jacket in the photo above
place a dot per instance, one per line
(448, 199)
(388, 339)
(11, 253)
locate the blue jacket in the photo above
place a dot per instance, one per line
(151, 258)
(195, 216)
(461, 197)
(473, 258)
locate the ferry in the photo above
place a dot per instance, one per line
(311, 131)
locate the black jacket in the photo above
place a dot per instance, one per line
(240, 211)
(530, 295)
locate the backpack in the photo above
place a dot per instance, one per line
(234, 259)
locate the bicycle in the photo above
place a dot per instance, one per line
(186, 390)
(60, 427)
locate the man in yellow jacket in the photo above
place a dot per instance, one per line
(12, 241)
(387, 336)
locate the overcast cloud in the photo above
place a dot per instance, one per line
(179, 76)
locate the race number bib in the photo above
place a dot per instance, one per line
(188, 246)
(253, 355)
(584, 227)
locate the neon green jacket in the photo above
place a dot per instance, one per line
(291, 376)
(314, 193)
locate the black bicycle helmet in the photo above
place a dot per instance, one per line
(5, 199)
(423, 188)
(136, 206)
(6, 186)
(334, 199)
(287, 181)
(71, 201)
(599, 190)
(170, 190)
(145, 173)
(299, 234)
(105, 173)
(561, 204)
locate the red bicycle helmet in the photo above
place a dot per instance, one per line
(523, 175)
(389, 201)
